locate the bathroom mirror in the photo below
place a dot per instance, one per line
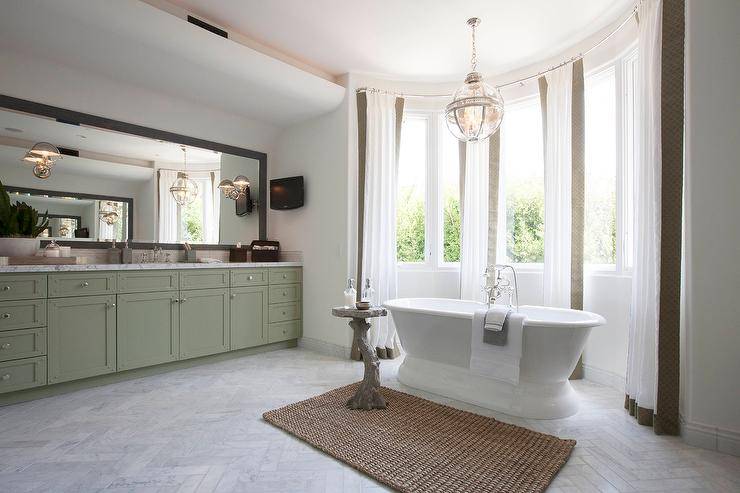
(113, 180)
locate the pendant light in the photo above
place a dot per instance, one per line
(183, 189)
(109, 212)
(476, 109)
(43, 156)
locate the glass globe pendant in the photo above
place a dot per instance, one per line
(109, 213)
(183, 189)
(476, 109)
(43, 156)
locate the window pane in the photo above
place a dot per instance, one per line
(523, 173)
(410, 215)
(600, 240)
(450, 194)
(630, 113)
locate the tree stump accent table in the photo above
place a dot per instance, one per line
(368, 395)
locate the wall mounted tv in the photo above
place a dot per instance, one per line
(286, 193)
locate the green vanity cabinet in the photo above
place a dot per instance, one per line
(204, 322)
(148, 326)
(62, 326)
(82, 337)
(249, 313)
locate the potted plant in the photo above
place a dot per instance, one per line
(19, 227)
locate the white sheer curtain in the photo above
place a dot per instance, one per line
(474, 241)
(642, 348)
(208, 185)
(556, 276)
(167, 212)
(381, 184)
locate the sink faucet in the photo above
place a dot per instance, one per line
(497, 286)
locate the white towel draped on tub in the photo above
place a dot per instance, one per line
(497, 362)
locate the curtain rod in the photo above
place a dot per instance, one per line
(572, 59)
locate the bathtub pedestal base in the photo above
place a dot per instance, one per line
(368, 395)
(525, 399)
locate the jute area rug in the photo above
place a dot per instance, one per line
(416, 445)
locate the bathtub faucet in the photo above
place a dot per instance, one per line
(497, 286)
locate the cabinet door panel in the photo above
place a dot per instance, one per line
(81, 284)
(204, 322)
(22, 286)
(148, 281)
(204, 278)
(248, 307)
(27, 343)
(22, 374)
(148, 329)
(82, 337)
(22, 314)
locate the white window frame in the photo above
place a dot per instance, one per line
(625, 162)
(433, 198)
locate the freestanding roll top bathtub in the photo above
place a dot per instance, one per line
(436, 335)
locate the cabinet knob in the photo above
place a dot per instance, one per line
(85, 284)
(285, 276)
(249, 278)
(183, 300)
(284, 312)
(175, 300)
(5, 346)
(5, 377)
(233, 296)
(285, 331)
(111, 305)
(285, 294)
(6, 315)
(6, 288)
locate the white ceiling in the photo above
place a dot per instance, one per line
(134, 42)
(413, 39)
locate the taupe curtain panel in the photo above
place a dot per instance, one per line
(361, 160)
(665, 417)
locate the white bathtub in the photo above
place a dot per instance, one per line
(436, 333)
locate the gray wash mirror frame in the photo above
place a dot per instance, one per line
(77, 118)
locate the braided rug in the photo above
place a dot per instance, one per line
(416, 445)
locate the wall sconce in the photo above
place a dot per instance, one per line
(238, 190)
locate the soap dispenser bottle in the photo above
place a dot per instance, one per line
(350, 294)
(368, 293)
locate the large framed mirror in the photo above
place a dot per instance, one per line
(115, 180)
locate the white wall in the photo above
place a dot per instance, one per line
(233, 228)
(45, 81)
(711, 369)
(317, 149)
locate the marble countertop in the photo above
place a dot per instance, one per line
(108, 267)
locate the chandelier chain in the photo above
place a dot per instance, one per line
(474, 56)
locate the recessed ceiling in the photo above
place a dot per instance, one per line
(413, 39)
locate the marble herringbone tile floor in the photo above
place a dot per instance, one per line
(201, 430)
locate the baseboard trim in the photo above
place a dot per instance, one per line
(710, 437)
(323, 347)
(604, 377)
(66, 387)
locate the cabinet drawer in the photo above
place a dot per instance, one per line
(22, 374)
(148, 281)
(284, 311)
(22, 314)
(17, 344)
(204, 279)
(81, 284)
(284, 331)
(248, 277)
(285, 276)
(22, 287)
(285, 293)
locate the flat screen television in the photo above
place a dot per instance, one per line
(286, 193)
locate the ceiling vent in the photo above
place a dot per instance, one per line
(208, 27)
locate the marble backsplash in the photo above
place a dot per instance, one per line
(141, 256)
